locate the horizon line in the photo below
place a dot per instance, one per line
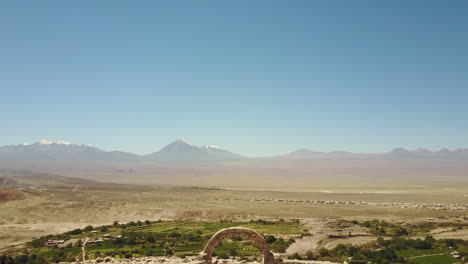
(188, 142)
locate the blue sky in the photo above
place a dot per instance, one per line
(255, 77)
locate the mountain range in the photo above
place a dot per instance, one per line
(181, 162)
(183, 151)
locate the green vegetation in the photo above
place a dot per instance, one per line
(396, 250)
(419, 252)
(183, 238)
(437, 259)
(158, 238)
(385, 228)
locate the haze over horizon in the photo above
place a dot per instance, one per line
(214, 146)
(256, 78)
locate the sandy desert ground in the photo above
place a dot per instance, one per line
(41, 210)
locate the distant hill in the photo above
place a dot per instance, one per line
(179, 151)
(181, 162)
(18, 179)
(60, 150)
(9, 183)
(183, 151)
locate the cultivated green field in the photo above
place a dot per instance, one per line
(161, 238)
(419, 252)
(437, 259)
(188, 238)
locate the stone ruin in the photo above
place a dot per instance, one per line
(245, 233)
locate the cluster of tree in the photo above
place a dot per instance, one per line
(278, 244)
(358, 255)
(280, 221)
(382, 251)
(88, 228)
(22, 259)
(398, 243)
(32, 258)
(383, 228)
(133, 223)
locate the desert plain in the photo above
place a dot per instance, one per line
(41, 204)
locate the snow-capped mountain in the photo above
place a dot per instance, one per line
(60, 150)
(181, 162)
(179, 151)
(183, 150)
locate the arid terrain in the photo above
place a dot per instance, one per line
(40, 204)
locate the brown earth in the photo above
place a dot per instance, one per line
(10, 195)
(53, 209)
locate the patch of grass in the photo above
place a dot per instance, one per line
(153, 251)
(419, 252)
(241, 249)
(102, 248)
(209, 228)
(47, 253)
(439, 259)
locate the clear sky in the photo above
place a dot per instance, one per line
(255, 77)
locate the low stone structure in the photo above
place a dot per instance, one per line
(245, 233)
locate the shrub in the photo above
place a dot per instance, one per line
(295, 256)
(324, 252)
(381, 241)
(76, 231)
(79, 243)
(270, 239)
(309, 255)
(150, 239)
(279, 245)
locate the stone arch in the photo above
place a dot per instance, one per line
(245, 233)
